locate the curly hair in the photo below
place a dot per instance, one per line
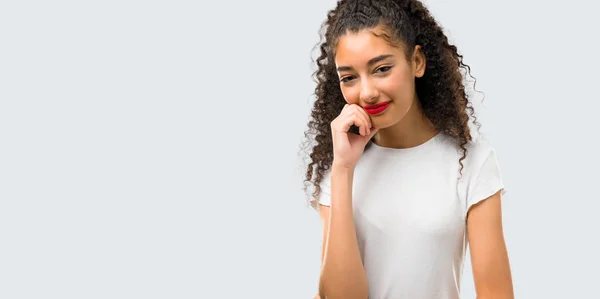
(440, 90)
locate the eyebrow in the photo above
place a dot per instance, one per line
(369, 63)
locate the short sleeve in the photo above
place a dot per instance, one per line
(324, 197)
(485, 179)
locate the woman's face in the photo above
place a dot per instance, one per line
(377, 76)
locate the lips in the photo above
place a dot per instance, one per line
(377, 108)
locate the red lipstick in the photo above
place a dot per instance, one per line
(377, 108)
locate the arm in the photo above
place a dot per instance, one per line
(342, 273)
(489, 257)
(324, 215)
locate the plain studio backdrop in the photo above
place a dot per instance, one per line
(149, 149)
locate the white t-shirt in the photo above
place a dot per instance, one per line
(410, 208)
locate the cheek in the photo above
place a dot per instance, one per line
(350, 94)
(398, 86)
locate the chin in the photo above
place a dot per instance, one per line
(384, 123)
(387, 120)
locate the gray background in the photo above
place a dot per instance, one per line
(148, 149)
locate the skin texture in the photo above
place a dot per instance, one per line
(403, 124)
(489, 255)
(392, 80)
(351, 75)
(408, 25)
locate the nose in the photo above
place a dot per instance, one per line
(368, 92)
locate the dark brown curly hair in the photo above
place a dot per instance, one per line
(441, 91)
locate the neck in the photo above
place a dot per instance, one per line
(414, 129)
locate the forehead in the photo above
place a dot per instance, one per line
(357, 47)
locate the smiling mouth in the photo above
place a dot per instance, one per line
(377, 108)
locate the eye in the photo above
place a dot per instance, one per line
(383, 69)
(346, 79)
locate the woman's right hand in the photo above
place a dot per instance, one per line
(347, 146)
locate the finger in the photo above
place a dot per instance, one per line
(373, 132)
(365, 118)
(344, 119)
(345, 108)
(361, 123)
(351, 118)
(362, 127)
(359, 118)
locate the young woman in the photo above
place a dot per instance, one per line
(403, 196)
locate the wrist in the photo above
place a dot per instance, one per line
(337, 166)
(342, 170)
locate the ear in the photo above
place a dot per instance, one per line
(418, 62)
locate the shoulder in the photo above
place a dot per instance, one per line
(472, 156)
(477, 160)
(481, 176)
(478, 151)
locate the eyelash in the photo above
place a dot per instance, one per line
(384, 68)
